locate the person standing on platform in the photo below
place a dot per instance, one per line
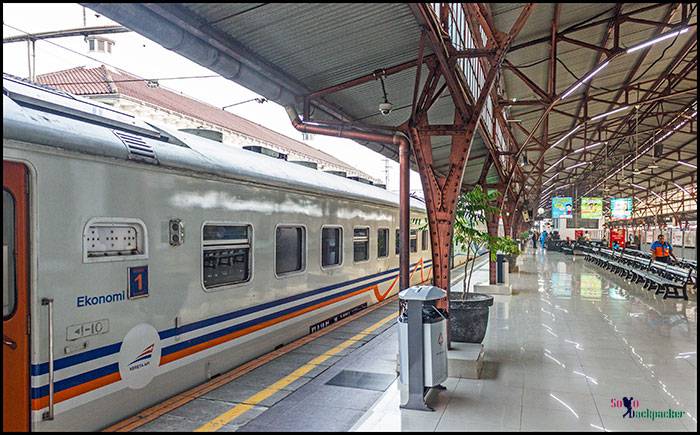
(661, 251)
(534, 240)
(543, 238)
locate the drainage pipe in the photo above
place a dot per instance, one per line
(348, 131)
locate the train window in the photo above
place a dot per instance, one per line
(290, 252)
(114, 239)
(414, 241)
(331, 246)
(382, 242)
(398, 236)
(425, 241)
(360, 244)
(226, 254)
(9, 292)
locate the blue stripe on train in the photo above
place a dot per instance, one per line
(43, 368)
(38, 392)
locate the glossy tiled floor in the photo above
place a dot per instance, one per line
(571, 338)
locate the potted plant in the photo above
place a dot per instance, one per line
(469, 311)
(510, 248)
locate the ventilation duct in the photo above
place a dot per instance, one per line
(311, 165)
(361, 180)
(206, 133)
(265, 151)
(338, 173)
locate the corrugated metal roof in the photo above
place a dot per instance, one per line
(317, 45)
(579, 61)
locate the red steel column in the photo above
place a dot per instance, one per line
(492, 226)
(404, 213)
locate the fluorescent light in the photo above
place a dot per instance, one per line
(656, 194)
(638, 186)
(585, 79)
(576, 165)
(550, 178)
(603, 115)
(687, 164)
(641, 154)
(566, 135)
(655, 40)
(587, 147)
(555, 164)
(680, 187)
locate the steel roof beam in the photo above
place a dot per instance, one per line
(621, 17)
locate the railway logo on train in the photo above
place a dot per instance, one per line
(139, 356)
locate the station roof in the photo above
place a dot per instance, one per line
(308, 47)
(288, 51)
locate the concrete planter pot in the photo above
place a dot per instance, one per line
(469, 317)
(512, 267)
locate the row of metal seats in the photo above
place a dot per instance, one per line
(661, 277)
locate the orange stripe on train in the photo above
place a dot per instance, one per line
(94, 384)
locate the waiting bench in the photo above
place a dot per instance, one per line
(661, 277)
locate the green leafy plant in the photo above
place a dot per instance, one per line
(472, 210)
(508, 246)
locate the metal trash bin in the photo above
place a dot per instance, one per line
(426, 351)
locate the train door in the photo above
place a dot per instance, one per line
(15, 298)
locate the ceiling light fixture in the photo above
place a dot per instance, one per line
(585, 79)
(550, 178)
(681, 187)
(555, 164)
(566, 135)
(578, 165)
(679, 125)
(687, 164)
(603, 115)
(655, 40)
(586, 148)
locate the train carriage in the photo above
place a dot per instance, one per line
(140, 261)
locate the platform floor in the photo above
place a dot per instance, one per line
(570, 338)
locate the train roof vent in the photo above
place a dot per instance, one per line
(265, 151)
(206, 133)
(338, 173)
(381, 186)
(138, 148)
(361, 180)
(312, 165)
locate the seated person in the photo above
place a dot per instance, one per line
(662, 251)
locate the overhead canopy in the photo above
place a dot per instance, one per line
(302, 48)
(326, 54)
(654, 88)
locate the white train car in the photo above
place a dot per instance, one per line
(139, 262)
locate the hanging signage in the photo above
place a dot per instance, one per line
(591, 208)
(617, 236)
(621, 208)
(677, 237)
(562, 207)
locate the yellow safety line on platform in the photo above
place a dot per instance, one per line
(248, 404)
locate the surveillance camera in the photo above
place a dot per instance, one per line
(385, 108)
